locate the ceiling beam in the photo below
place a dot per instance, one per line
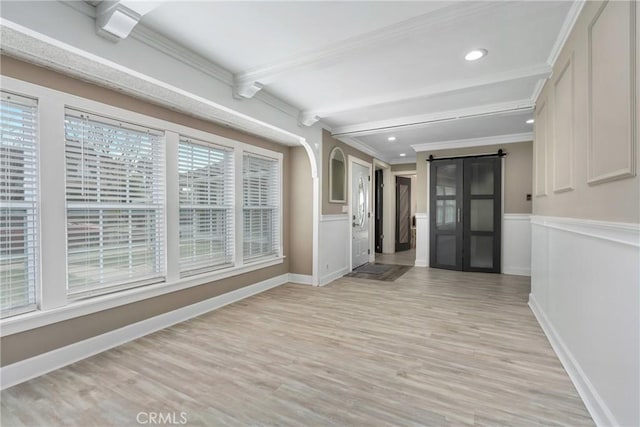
(116, 19)
(306, 119)
(431, 21)
(474, 142)
(424, 120)
(540, 71)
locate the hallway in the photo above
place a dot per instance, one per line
(433, 348)
(398, 258)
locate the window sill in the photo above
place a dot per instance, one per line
(39, 318)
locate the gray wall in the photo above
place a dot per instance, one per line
(301, 216)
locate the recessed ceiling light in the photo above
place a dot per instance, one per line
(475, 54)
(530, 121)
(402, 154)
(391, 138)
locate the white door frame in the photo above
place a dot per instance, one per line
(372, 255)
(395, 174)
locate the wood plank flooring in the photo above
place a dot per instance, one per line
(433, 348)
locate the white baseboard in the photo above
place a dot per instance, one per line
(596, 406)
(301, 279)
(517, 271)
(421, 263)
(333, 276)
(27, 369)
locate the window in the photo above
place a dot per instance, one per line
(206, 206)
(261, 207)
(18, 204)
(114, 193)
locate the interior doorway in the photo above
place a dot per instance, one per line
(379, 210)
(466, 205)
(403, 213)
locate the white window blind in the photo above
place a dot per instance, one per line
(18, 204)
(114, 191)
(206, 206)
(261, 207)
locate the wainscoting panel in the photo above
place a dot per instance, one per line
(422, 240)
(563, 125)
(540, 145)
(585, 293)
(612, 110)
(516, 244)
(334, 247)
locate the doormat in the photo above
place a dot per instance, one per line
(383, 272)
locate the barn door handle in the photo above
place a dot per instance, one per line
(459, 215)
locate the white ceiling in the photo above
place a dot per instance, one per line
(364, 67)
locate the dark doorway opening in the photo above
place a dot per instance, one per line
(403, 213)
(378, 210)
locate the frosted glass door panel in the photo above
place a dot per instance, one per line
(481, 214)
(446, 214)
(481, 179)
(446, 250)
(446, 176)
(481, 252)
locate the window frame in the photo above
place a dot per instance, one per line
(158, 174)
(34, 306)
(231, 150)
(53, 302)
(278, 160)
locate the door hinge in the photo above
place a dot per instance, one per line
(368, 251)
(369, 177)
(368, 214)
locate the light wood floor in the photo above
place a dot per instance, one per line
(434, 348)
(399, 258)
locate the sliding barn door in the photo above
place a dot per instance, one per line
(466, 214)
(445, 249)
(482, 214)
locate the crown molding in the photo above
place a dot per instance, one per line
(277, 103)
(354, 143)
(403, 160)
(474, 142)
(537, 90)
(431, 21)
(565, 30)
(81, 6)
(161, 43)
(542, 71)
(369, 128)
(40, 49)
(167, 46)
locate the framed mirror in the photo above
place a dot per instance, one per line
(337, 176)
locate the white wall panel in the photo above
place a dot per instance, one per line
(612, 118)
(334, 247)
(516, 244)
(585, 294)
